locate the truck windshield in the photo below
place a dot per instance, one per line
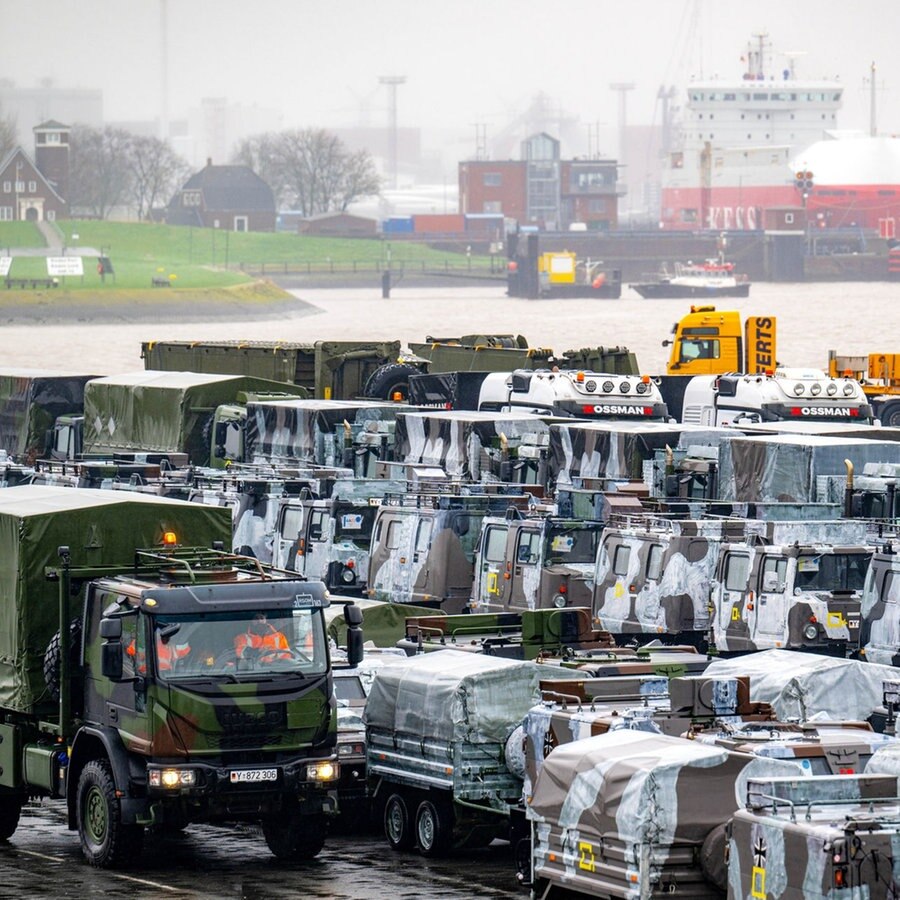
(831, 571)
(354, 523)
(245, 644)
(570, 545)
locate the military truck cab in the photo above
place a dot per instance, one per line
(879, 630)
(653, 579)
(793, 586)
(329, 539)
(424, 546)
(787, 395)
(534, 562)
(579, 394)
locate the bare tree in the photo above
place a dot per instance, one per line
(156, 171)
(99, 168)
(7, 133)
(310, 169)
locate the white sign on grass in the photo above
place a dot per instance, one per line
(5, 263)
(65, 265)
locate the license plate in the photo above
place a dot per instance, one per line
(247, 775)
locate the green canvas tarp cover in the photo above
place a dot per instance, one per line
(453, 695)
(383, 623)
(99, 528)
(30, 402)
(161, 411)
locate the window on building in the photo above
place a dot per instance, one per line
(492, 206)
(492, 179)
(20, 187)
(51, 215)
(52, 137)
(6, 214)
(32, 187)
(688, 216)
(728, 96)
(191, 198)
(7, 187)
(788, 218)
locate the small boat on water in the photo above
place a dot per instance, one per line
(711, 278)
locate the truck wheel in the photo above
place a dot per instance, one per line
(52, 654)
(890, 415)
(299, 838)
(397, 827)
(387, 380)
(10, 810)
(434, 828)
(105, 841)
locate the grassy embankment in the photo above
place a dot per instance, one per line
(199, 261)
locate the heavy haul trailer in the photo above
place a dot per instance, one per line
(329, 370)
(160, 699)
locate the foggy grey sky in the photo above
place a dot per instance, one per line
(468, 61)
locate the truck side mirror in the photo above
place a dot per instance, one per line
(353, 617)
(111, 629)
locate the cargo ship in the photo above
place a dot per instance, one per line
(739, 139)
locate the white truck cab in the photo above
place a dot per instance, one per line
(786, 394)
(575, 393)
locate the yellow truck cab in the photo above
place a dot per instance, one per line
(711, 342)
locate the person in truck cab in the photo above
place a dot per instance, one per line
(262, 641)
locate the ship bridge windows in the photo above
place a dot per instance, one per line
(760, 96)
(776, 96)
(729, 96)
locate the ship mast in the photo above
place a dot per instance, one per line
(873, 127)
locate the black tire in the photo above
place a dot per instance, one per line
(298, 838)
(105, 841)
(397, 824)
(52, 657)
(388, 380)
(890, 415)
(10, 810)
(434, 828)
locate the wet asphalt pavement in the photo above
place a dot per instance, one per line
(43, 859)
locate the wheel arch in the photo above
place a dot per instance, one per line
(96, 743)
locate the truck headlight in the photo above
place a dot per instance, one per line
(348, 576)
(831, 390)
(322, 771)
(848, 389)
(810, 632)
(641, 387)
(356, 749)
(559, 600)
(607, 387)
(815, 389)
(624, 387)
(798, 389)
(590, 385)
(172, 778)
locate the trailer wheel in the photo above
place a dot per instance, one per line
(397, 827)
(105, 841)
(434, 828)
(52, 657)
(388, 380)
(299, 838)
(10, 810)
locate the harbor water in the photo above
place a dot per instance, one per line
(859, 317)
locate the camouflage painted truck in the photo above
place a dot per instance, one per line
(161, 699)
(329, 370)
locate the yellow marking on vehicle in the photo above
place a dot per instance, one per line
(586, 857)
(836, 620)
(758, 883)
(735, 614)
(493, 583)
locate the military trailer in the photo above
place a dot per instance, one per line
(328, 538)
(437, 732)
(31, 401)
(879, 631)
(169, 411)
(636, 816)
(423, 547)
(654, 576)
(354, 434)
(329, 370)
(534, 562)
(161, 699)
(793, 586)
(815, 838)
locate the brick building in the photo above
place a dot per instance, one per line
(543, 190)
(34, 190)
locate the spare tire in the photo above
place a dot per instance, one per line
(387, 380)
(52, 657)
(713, 863)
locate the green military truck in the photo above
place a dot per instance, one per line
(190, 412)
(144, 689)
(329, 370)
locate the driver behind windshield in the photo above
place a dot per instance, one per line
(261, 641)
